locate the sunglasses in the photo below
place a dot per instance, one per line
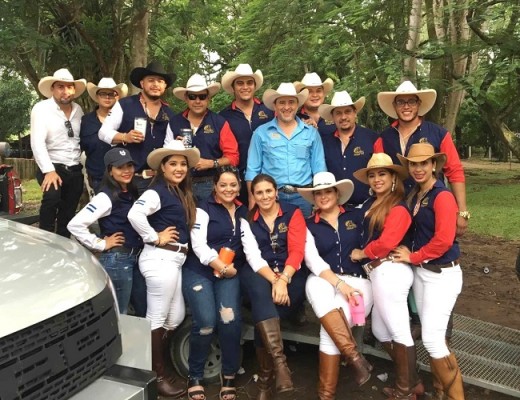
(192, 96)
(274, 242)
(70, 131)
(107, 95)
(410, 102)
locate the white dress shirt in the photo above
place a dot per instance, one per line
(111, 124)
(50, 142)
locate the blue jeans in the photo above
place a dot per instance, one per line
(138, 295)
(202, 190)
(258, 290)
(120, 268)
(297, 200)
(215, 306)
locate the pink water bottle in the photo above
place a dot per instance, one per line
(357, 311)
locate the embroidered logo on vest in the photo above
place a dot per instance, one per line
(358, 151)
(423, 140)
(350, 225)
(208, 129)
(282, 228)
(262, 115)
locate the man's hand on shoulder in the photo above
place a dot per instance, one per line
(51, 178)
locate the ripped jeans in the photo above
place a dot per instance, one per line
(215, 308)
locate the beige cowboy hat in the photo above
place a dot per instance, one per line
(284, 90)
(380, 160)
(325, 180)
(421, 152)
(242, 70)
(61, 75)
(313, 79)
(106, 83)
(196, 83)
(155, 68)
(386, 99)
(340, 99)
(175, 147)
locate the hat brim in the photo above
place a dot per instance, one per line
(440, 160)
(120, 162)
(361, 174)
(230, 76)
(138, 74)
(386, 101)
(325, 110)
(327, 84)
(270, 96)
(92, 89)
(212, 89)
(156, 156)
(345, 189)
(45, 84)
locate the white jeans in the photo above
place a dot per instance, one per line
(391, 282)
(435, 296)
(162, 270)
(324, 298)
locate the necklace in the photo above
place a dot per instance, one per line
(403, 140)
(420, 196)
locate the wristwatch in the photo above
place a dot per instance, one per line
(464, 214)
(215, 164)
(289, 279)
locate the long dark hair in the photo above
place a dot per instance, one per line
(258, 179)
(183, 191)
(114, 188)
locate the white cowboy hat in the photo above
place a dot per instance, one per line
(106, 83)
(61, 75)
(196, 83)
(325, 180)
(313, 79)
(340, 99)
(421, 152)
(380, 160)
(284, 90)
(175, 147)
(386, 99)
(241, 70)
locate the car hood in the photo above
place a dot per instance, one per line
(42, 275)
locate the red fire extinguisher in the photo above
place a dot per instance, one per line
(10, 190)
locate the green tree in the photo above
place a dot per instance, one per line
(15, 106)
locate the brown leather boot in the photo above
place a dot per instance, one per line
(336, 325)
(273, 343)
(447, 371)
(438, 390)
(168, 365)
(165, 386)
(265, 375)
(404, 360)
(329, 374)
(417, 388)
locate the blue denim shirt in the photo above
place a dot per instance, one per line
(289, 160)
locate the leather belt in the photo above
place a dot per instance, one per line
(146, 173)
(437, 268)
(292, 188)
(371, 265)
(126, 250)
(77, 167)
(173, 247)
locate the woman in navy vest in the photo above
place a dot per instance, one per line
(118, 241)
(435, 254)
(163, 216)
(385, 222)
(210, 283)
(335, 279)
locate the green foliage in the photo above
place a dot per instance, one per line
(15, 105)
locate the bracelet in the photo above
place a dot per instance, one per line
(223, 271)
(338, 283)
(123, 141)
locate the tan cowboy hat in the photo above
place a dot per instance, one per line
(386, 99)
(421, 152)
(61, 75)
(196, 83)
(284, 90)
(175, 147)
(325, 180)
(380, 160)
(313, 79)
(340, 99)
(155, 68)
(106, 83)
(241, 70)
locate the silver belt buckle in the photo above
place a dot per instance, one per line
(367, 268)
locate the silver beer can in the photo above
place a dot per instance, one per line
(187, 138)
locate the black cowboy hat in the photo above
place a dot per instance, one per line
(154, 68)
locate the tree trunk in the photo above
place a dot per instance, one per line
(500, 130)
(139, 39)
(414, 27)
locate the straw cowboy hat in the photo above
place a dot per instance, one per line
(325, 180)
(386, 99)
(61, 75)
(175, 147)
(421, 152)
(313, 79)
(380, 160)
(106, 83)
(155, 68)
(196, 83)
(285, 89)
(340, 99)
(242, 70)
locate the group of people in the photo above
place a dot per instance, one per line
(273, 201)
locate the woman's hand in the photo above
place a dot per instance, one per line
(280, 293)
(357, 255)
(401, 254)
(348, 291)
(231, 271)
(114, 240)
(168, 235)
